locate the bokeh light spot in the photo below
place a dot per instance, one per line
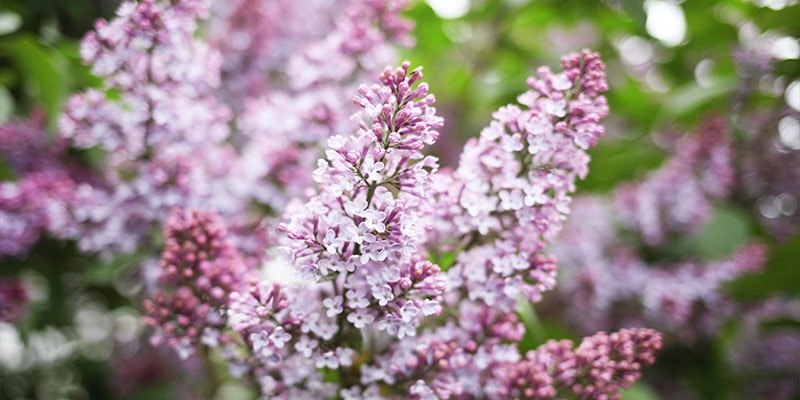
(449, 9)
(665, 22)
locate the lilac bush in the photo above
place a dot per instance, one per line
(220, 143)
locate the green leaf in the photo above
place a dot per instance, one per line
(727, 229)
(781, 274)
(639, 391)
(613, 163)
(44, 72)
(446, 261)
(6, 104)
(691, 97)
(105, 272)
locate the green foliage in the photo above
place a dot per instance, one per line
(45, 79)
(640, 391)
(780, 275)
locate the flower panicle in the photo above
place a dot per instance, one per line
(513, 185)
(199, 269)
(362, 229)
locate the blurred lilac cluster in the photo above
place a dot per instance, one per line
(612, 238)
(37, 201)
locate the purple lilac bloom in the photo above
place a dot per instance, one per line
(765, 353)
(362, 230)
(598, 368)
(605, 238)
(286, 332)
(40, 198)
(512, 188)
(283, 127)
(320, 42)
(677, 197)
(199, 269)
(450, 363)
(257, 38)
(335, 235)
(157, 121)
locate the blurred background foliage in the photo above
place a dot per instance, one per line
(670, 65)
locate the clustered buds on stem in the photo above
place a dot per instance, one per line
(199, 269)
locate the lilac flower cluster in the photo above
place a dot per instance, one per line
(598, 368)
(165, 139)
(256, 39)
(372, 315)
(362, 230)
(766, 354)
(283, 127)
(678, 197)
(157, 121)
(288, 338)
(323, 43)
(449, 363)
(200, 268)
(512, 188)
(38, 199)
(685, 297)
(365, 233)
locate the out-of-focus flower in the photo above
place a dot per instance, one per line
(14, 300)
(200, 268)
(605, 238)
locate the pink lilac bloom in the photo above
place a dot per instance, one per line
(683, 298)
(256, 39)
(14, 300)
(41, 195)
(157, 121)
(36, 204)
(598, 368)
(448, 363)
(199, 269)
(286, 332)
(361, 231)
(604, 241)
(512, 188)
(273, 46)
(678, 197)
(765, 353)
